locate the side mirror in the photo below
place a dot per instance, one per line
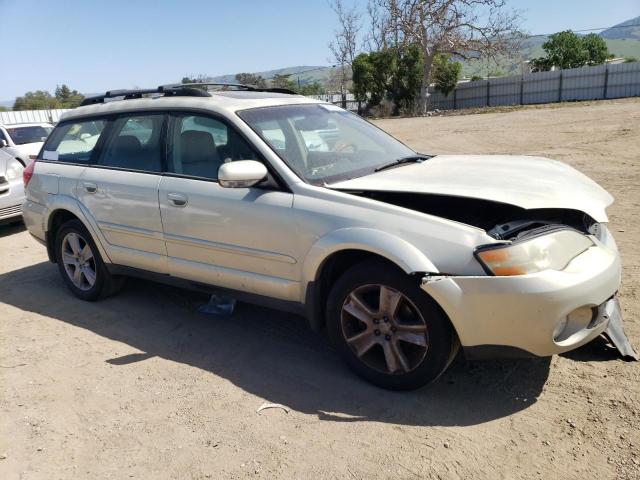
(3, 143)
(241, 174)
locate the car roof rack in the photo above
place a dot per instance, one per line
(235, 86)
(180, 90)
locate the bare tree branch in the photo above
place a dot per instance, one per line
(465, 28)
(344, 47)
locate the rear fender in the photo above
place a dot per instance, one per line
(70, 204)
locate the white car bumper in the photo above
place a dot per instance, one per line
(11, 198)
(524, 315)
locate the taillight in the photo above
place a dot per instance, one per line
(27, 173)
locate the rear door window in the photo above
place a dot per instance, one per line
(135, 143)
(74, 142)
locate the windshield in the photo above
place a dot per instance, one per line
(31, 134)
(323, 143)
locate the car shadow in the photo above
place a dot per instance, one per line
(598, 350)
(273, 355)
(11, 227)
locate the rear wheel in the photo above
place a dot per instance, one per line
(81, 265)
(388, 330)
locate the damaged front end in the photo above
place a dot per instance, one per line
(512, 224)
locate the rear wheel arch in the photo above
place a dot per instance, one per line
(56, 219)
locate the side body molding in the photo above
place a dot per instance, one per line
(393, 248)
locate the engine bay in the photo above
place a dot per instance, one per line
(500, 221)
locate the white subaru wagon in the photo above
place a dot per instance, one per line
(401, 257)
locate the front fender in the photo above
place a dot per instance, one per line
(393, 248)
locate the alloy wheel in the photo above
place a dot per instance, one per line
(78, 261)
(384, 329)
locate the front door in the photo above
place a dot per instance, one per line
(121, 191)
(238, 238)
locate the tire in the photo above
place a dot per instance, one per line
(86, 285)
(410, 322)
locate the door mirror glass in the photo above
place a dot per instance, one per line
(241, 174)
(3, 143)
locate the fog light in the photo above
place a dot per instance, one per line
(562, 324)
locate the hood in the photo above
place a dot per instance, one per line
(4, 161)
(522, 181)
(28, 148)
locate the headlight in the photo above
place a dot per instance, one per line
(14, 170)
(552, 251)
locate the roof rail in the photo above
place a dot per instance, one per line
(235, 86)
(166, 90)
(180, 89)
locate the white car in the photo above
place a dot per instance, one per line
(24, 140)
(400, 257)
(11, 188)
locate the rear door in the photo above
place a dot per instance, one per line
(239, 238)
(120, 192)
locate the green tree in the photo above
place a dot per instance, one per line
(383, 69)
(68, 98)
(362, 77)
(408, 78)
(568, 50)
(311, 89)
(445, 73)
(283, 81)
(565, 50)
(251, 79)
(199, 79)
(596, 48)
(3, 109)
(38, 100)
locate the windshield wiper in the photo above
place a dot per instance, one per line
(417, 158)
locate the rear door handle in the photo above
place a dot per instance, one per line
(177, 199)
(90, 187)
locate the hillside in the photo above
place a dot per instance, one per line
(307, 74)
(628, 30)
(623, 40)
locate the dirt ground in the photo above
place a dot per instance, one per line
(142, 386)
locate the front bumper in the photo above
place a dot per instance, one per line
(523, 315)
(11, 198)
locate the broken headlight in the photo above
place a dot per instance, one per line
(550, 251)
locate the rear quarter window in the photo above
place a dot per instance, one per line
(74, 141)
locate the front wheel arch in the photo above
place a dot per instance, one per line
(329, 271)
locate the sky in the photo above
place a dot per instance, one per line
(98, 45)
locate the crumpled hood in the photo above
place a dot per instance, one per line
(526, 182)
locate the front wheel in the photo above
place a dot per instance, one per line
(388, 330)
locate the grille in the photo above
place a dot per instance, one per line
(10, 211)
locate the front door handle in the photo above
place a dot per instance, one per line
(90, 187)
(177, 199)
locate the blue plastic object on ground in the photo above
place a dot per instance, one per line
(218, 305)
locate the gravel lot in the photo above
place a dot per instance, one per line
(141, 385)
